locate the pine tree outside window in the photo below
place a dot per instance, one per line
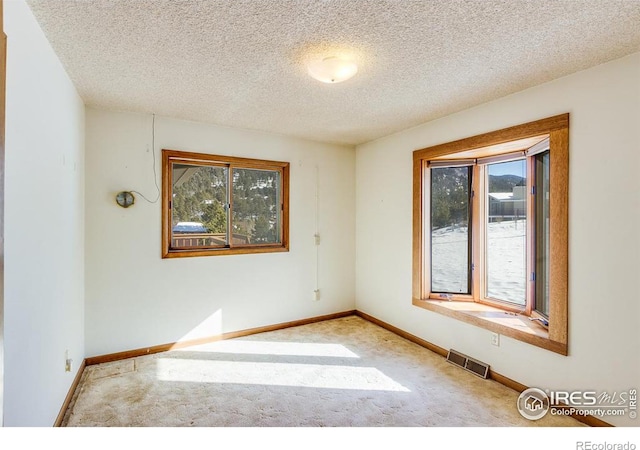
(220, 205)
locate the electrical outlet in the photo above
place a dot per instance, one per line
(495, 339)
(316, 294)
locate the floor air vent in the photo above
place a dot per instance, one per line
(472, 365)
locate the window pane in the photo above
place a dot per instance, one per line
(450, 239)
(542, 234)
(198, 210)
(506, 246)
(256, 215)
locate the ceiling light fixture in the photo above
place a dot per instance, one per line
(332, 69)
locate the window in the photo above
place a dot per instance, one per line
(220, 205)
(490, 231)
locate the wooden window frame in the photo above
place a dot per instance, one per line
(169, 157)
(503, 319)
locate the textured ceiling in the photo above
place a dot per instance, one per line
(241, 63)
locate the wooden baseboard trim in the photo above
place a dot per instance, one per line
(592, 421)
(69, 397)
(408, 336)
(234, 334)
(508, 382)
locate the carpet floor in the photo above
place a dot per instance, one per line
(344, 372)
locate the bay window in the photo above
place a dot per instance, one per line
(490, 231)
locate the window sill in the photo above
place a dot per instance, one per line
(225, 251)
(516, 326)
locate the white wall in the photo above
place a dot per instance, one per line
(604, 247)
(44, 225)
(136, 299)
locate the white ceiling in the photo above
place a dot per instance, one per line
(241, 63)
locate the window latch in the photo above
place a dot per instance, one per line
(544, 322)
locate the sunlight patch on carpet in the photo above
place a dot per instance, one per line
(277, 374)
(275, 348)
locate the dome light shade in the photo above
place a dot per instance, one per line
(332, 69)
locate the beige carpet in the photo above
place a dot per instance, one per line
(339, 373)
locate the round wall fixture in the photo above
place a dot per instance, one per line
(125, 199)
